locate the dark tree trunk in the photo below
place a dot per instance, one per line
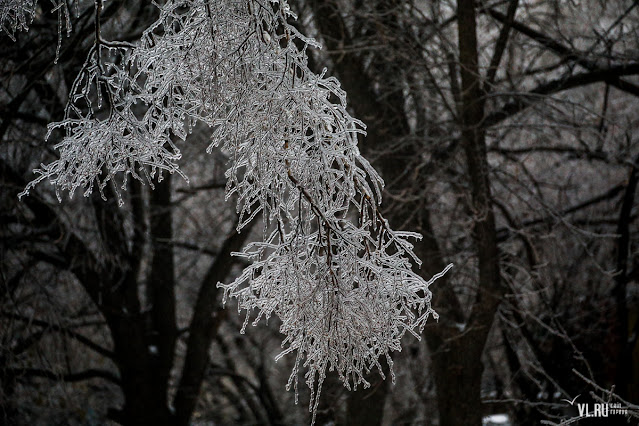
(626, 340)
(457, 363)
(457, 370)
(161, 290)
(143, 343)
(143, 404)
(207, 317)
(366, 406)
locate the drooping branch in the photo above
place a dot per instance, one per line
(236, 68)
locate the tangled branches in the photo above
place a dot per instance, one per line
(330, 267)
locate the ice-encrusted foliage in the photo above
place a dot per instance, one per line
(112, 126)
(16, 15)
(329, 266)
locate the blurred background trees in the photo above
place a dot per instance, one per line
(505, 132)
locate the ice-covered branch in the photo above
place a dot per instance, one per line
(330, 267)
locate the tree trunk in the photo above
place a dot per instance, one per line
(207, 317)
(457, 363)
(143, 404)
(457, 370)
(161, 290)
(366, 406)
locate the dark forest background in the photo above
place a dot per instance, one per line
(506, 132)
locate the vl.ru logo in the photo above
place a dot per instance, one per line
(598, 409)
(601, 409)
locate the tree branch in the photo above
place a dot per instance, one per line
(91, 373)
(59, 329)
(524, 100)
(500, 46)
(563, 51)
